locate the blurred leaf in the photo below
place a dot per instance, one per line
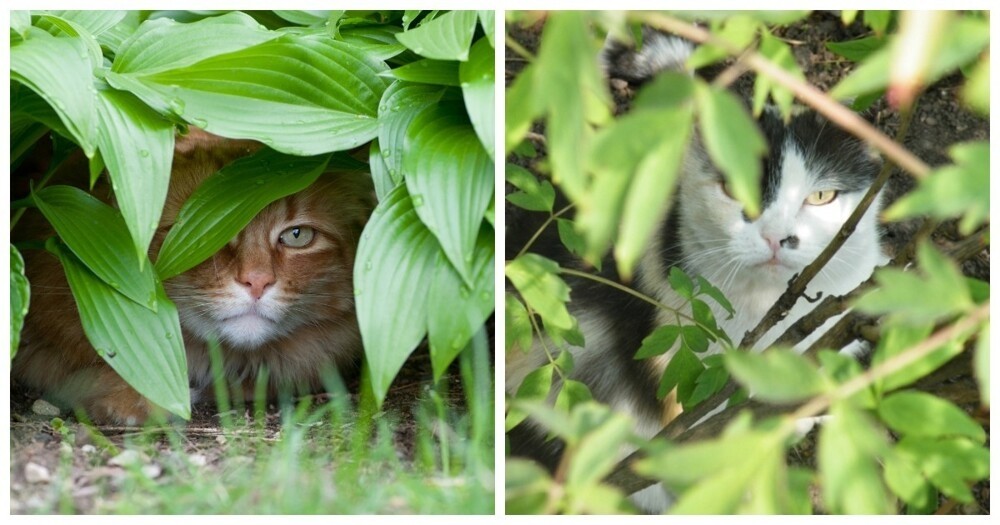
(401, 103)
(905, 481)
(538, 281)
(450, 178)
(902, 295)
(659, 342)
(858, 49)
(522, 106)
(60, 71)
(897, 339)
(534, 387)
(409, 16)
(733, 142)
(97, 235)
(427, 71)
(739, 30)
(606, 431)
(921, 414)
(404, 257)
(960, 189)
(847, 16)
(840, 367)
(780, 55)
(682, 372)
(534, 194)
(949, 464)
(517, 326)
(981, 365)
(144, 347)
(877, 20)
(767, 17)
(20, 21)
(446, 37)
(526, 487)
(455, 311)
(478, 79)
(228, 200)
(20, 297)
(572, 239)
(571, 394)
(976, 92)
(290, 93)
(133, 139)
(848, 450)
(778, 376)
(487, 22)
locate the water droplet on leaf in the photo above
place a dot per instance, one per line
(418, 200)
(144, 152)
(177, 106)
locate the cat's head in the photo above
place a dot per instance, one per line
(814, 176)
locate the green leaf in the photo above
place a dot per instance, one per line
(113, 38)
(694, 338)
(680, 282)
(659, 342)
(535, 194)
(606, 431)
(981, 365)
(304, 18)
(976, 92)
(839, 368)
(228, 200)
(920, 414)
(447, 37)
(450, 177)
(571, 394)
(572, 239)
(958, 190)
(59, 26)
(300, 95)
(522, 106)
(897, 339)
(534, 387)
(780, 55)
(682, 372)
(706, 288)
(379, 42)
(733, 142)
(381, 179)
(949, 464)
(710, 381)
(478, 80)
(905, 481)
(404, 257)
(517, 326)
(739, 30)
(778, 376)
(858, 49)
(903, 295)
(538, 281)
(59, 70)
(456, 311)
(487, 21)
(526, 487)
(428, 71)
(400, 104)
(20, 21)
(132, 140)
(848, 450)
(144, 347)
(877, 20)
(97, 235)
(20, 297)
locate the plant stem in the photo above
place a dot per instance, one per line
(541, 228)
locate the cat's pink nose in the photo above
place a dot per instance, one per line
(256, 282)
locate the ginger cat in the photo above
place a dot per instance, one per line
(278, 296)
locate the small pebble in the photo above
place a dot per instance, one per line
(36, 473)
(88, 449)
(44, 408)
(152, 471)
(198, 460)
(127, 458)
(220, 439)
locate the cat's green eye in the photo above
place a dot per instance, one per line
(297, 236)
(821, 197)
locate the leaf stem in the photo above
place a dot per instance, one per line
(541, 229)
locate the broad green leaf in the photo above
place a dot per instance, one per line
(877, 20)
(58, 26)
(27, 107)
(487, 21)
(227, 201)
(538, 281)
(447, 37)
(450, 178)
(571, 394)
(733, 142)
(133, 140)
(706, 288)
(300, 95)
(920, 414)
(572, 239)
(379, 42)
(20, 21)
(113, 38)
(659, 342)
(163, 44)
(981, 365)
(976, 92)
(738, 30)
(409, 16)
(682, 372)
(680, 282)
(778, 376)
(59, 70)
(681, 467)
(710, 381)
(517, 326)
(96, 22)
(526, 487)
(478, 85)
(694, 338)
(780, 55)
(858, 49)
(522, 106)
(404, 255)
(905, 481)
(591, 460)
(535, 387)
(840, 367)
(726, 491)
(380, 172)
(400, 104)
(304, 18)
(958, 190)
(902, 295)
(146, 348)
(427, 71)
(949, 464)
(899, 338)
(20, 297)
(97, 235)
(848, 451)
(455, 311)
(534, 194)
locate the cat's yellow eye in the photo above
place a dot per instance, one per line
(297, 236)
(821, 197)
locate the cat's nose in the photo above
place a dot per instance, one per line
(256, 282)
(791, 242)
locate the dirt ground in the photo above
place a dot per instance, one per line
(939, 122)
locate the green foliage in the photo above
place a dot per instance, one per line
(20, 296)
(305, 84)
(800, 380)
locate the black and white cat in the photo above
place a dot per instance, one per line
(814, 175)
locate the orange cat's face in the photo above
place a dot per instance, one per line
(289, 268)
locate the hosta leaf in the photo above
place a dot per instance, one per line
(455, 311)
(20, 296)
(145, 347)
(20, 21)
(920, 414)
(447, 37)
(778, 376)
(400, 104)
(97, 235)
(538, 281)
(377, 41)
(304, 18)
(300, 95)
(450, 178)
(227, 201)
(486, 20)
(133, 139)
(428, 71)
(59, 70)
(404, 256)
(478, 90)
(383, 182)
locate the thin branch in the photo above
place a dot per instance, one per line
(541, 229)
(516, 47)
